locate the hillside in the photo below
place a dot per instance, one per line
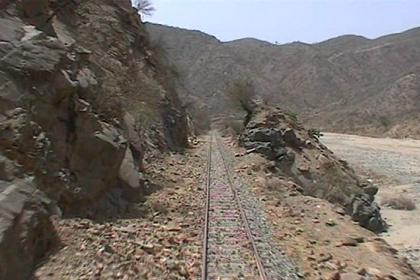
(348, 84)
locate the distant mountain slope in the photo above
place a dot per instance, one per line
(349, 84)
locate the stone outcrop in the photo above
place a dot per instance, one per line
(26, 231)
(83, 100)
(298, 154)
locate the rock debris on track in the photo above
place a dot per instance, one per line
(230, 252)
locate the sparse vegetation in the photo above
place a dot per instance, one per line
(242, 93)
(237, 126)
(229, 125)
(199, 117)
(385, 121)
(315, 133)
(401, 202)
(292, 115)
(144, 7)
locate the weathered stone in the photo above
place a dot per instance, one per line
(10, 30)
(37, 13)
(26, 232)
(9, 93)
(314, 167)
(8, 169)
(86, 78)
(262, 134)
(291, 138)
(370, 190)
(129, 172)
(366, 213)
(280, 152)
(133, 137)
(34, 56)
(105, 149)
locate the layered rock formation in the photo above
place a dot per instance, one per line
(82, 101)
(296, 153)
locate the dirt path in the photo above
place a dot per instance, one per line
(393, 165)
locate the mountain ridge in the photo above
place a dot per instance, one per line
(333, 85)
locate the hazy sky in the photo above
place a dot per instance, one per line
(289, 20)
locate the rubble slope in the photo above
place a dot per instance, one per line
(297, 155)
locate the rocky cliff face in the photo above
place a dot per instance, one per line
(82, 102)
(297, 154)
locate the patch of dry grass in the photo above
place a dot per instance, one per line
(400, 202)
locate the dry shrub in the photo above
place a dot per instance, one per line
(237, 126)
(241, 93)
(145, 7)
(401, 202)
(230, 127)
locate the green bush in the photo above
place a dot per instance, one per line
(292, 115)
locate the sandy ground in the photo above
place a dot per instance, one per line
(394, 166)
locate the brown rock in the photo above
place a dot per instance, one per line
(325, 257)
(362, 271)
(304, 168)
(335, 276)
(349, 242)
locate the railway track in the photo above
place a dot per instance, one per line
(237, 242)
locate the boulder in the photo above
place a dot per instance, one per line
(262, 134)
(369, 189)
(95, 159)
(367, 213)
(26, 231)
(129, 173)
(37, 54)
(290, 137)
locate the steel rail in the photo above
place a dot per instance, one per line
(260, 266)
(207, 210)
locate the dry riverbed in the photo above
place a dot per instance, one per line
(394, 166)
